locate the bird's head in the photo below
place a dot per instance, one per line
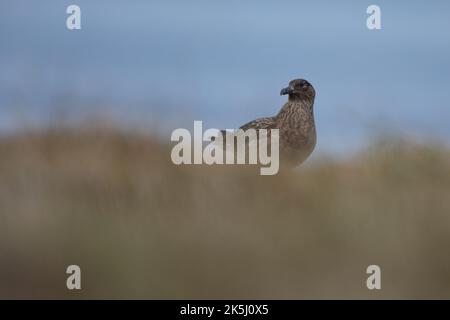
(299, 89)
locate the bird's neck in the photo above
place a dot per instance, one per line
(304, 105)
(303, 100)
(296, 111)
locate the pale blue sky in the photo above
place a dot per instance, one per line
(225, 62)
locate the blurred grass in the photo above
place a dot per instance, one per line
(140, 227)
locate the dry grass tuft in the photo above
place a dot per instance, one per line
(141, 227)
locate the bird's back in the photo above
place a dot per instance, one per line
(261, 123)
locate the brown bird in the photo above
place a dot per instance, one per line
(295, 122)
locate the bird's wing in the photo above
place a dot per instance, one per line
(261, 123)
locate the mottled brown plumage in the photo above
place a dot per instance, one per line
(295, 122)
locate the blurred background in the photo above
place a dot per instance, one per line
(85, 171)
(172, 62)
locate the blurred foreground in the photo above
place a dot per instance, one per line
(141, 227)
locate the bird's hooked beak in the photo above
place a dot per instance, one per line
(287, 90)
